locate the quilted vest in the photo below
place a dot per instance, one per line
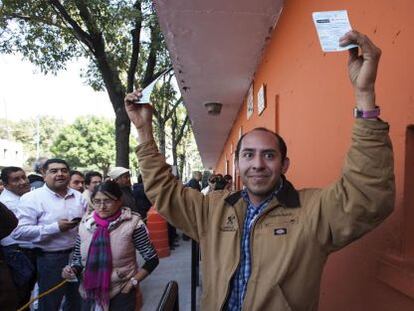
(124, 262)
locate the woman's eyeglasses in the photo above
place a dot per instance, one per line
(106, 202)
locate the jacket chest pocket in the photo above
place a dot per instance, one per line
(278, 238)
(278, 226)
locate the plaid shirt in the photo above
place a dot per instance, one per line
(242, 274)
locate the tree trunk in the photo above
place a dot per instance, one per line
(122, 130)
(181, 165)
(105, 170)
(161, 138)
(116, 93)
(174, 143)
(174, 155)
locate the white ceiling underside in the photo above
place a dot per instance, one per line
(215, 47)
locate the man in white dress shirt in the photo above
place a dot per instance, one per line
(18, 253)
(48, 217)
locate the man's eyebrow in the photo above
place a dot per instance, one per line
(260, 150)
(248, 149)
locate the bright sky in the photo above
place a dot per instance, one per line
(25, 92)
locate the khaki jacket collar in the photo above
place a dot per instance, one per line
(288, 196)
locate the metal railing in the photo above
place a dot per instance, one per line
(195, 267)
(169, 299)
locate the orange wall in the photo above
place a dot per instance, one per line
(314, 115)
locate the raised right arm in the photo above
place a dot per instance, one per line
(185, 208)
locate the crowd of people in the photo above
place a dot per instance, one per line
(74, 226)
(263, 247)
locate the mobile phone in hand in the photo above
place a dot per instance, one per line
(76, 219)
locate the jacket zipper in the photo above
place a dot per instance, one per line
(251, 258)
(228, 289)
(251, 240)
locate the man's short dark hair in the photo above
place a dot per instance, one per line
(5, 173)
(89, 175)
(280, 141)
(55, 160)
(73, 172)
(219, 182)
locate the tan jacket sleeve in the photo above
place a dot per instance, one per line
(183, 207)
(365, 194)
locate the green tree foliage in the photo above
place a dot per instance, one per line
(87, 143)
(165, 100)
(172, 127)
(121, 40)
(189, 159)
(25, 131)
(180, 128)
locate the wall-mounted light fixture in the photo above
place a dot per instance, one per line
(213, 108)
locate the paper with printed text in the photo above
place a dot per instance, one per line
(330, 26)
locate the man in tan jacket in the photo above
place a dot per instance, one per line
(264, 248)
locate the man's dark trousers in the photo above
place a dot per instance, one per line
(49, 269)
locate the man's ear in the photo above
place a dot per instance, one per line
(285, 165)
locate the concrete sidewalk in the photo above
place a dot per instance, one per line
(176, 267)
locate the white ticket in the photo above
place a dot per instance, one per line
(332, 25)
(146, 92)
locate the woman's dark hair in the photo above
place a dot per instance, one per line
(109, 188)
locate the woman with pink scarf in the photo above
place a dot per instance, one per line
(105, 258)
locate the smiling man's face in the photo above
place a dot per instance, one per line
(260, 164)
(57, 176)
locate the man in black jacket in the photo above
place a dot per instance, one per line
(8, 292)
(141, 200)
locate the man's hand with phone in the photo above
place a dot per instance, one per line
(66, 225)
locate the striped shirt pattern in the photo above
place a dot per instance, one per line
(141, 242)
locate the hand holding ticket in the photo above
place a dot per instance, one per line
(330, 26)
(147, 91)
